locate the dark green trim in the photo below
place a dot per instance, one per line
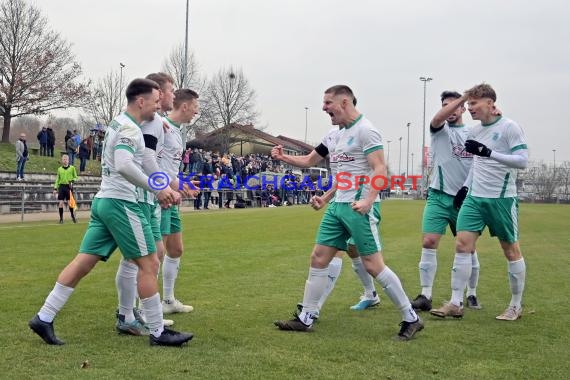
(456, 125)
(132, 118)
(171, 122)
(495, 122)
(440, 171)
(125, 147)
(373, 149)
(354, 122)
(521, 146)
(505, 183)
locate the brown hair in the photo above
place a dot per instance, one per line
(481, 91)
(341, 89)
(160, 78)
(184, 95)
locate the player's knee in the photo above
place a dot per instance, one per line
(319, 260)
(464, 245)
(512, 252)
(148, 264)
(429, 242)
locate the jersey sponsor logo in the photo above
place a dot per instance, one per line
(342, 157)
(459, 151)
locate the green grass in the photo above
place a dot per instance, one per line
(40, 164)
(243, 269)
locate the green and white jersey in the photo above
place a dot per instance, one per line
(491, 179)
(122, 133)
(355, 142)
(153, 128)
(451, 162)
(170, 153)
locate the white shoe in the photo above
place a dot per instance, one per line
(139, 315)
(512, 313)
(175, 306)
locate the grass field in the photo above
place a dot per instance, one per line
(245, 268)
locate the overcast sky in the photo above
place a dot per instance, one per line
(292, 50)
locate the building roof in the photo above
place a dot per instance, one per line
(298, 143)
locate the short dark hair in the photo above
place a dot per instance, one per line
(140, 87)
(450, 94)
(184, 95)
(161, 78)
(341, 89)
(481, 91)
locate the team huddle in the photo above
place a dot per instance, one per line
(474, 186)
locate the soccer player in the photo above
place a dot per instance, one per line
(354, 213)
(500, 149)
(130, 320)
(66, 175)
(169, 157)
(117, 220)
(447, 190)
(370, 297)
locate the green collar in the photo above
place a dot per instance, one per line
(354, 122)
(494, 122)
(132, 118)
(173, 123)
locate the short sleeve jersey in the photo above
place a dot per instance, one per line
(355, 142)
(153, 128)
(122, 133)
(170, 153)
(492, 179)
(451, 162)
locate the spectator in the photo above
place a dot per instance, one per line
(43, 140)
(21, 156)
(83, 155)
(50, 141)
(186, 159)
(76, 137)
(214, 193)
(71, 147)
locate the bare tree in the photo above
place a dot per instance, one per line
(183, 77)
(105, 100)
(38, 71)
(229, 99)
(232, 98)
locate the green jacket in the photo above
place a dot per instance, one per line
(65, 176)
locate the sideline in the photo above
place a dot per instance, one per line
(29, 219)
